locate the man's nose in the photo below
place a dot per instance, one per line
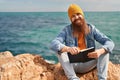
(76, 17)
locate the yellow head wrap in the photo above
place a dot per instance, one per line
(73, 9)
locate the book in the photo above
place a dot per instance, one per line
(82, 56)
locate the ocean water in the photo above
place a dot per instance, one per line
(32, 32)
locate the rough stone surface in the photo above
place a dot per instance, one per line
(34, 67)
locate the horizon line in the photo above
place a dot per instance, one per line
(57, 11)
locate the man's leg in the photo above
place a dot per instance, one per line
(67, 66)
(102, 66)
(85, 67)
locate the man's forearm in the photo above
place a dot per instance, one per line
(102, 51)
(64, 49)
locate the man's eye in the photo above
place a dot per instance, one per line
(73, 16)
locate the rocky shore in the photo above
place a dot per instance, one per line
(34, 67)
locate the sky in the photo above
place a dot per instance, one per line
(57, 5)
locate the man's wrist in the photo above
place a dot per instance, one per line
(102, 51)
(65, 49)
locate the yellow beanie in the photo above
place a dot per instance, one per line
(73, 9)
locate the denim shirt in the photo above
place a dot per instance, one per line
(65, 37)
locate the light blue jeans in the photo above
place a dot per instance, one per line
(70, 69)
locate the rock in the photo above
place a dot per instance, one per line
(24, 67)
(5, 54)
(34, 67)
(5, 57)
(113, 73)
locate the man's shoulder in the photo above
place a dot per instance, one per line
(67, 26)
(91, 26)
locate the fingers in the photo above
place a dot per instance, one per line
(73, 50)
(93, 55)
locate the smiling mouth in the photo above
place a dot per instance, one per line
(77, 21)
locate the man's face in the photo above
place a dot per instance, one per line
(77, 19)
(78, 22)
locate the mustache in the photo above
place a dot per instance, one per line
(78, 27)
(76, 20)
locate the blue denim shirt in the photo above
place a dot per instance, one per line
(65, 37)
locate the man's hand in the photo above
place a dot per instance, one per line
(97, 53)
(73, 50)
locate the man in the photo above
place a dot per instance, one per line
(81, 35)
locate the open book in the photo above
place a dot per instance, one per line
(82, 56)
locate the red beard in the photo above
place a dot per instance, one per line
(78, 26)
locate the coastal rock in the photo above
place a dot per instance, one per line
(34, 67)
(5, 57)
(113, 73)
(24, 67)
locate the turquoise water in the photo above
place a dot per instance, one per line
(32, 32)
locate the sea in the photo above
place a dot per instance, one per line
(32, 32)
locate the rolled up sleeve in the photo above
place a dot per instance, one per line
(108, 46)
(106, 42)
(58, 43)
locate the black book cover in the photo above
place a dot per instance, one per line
(82, 56)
